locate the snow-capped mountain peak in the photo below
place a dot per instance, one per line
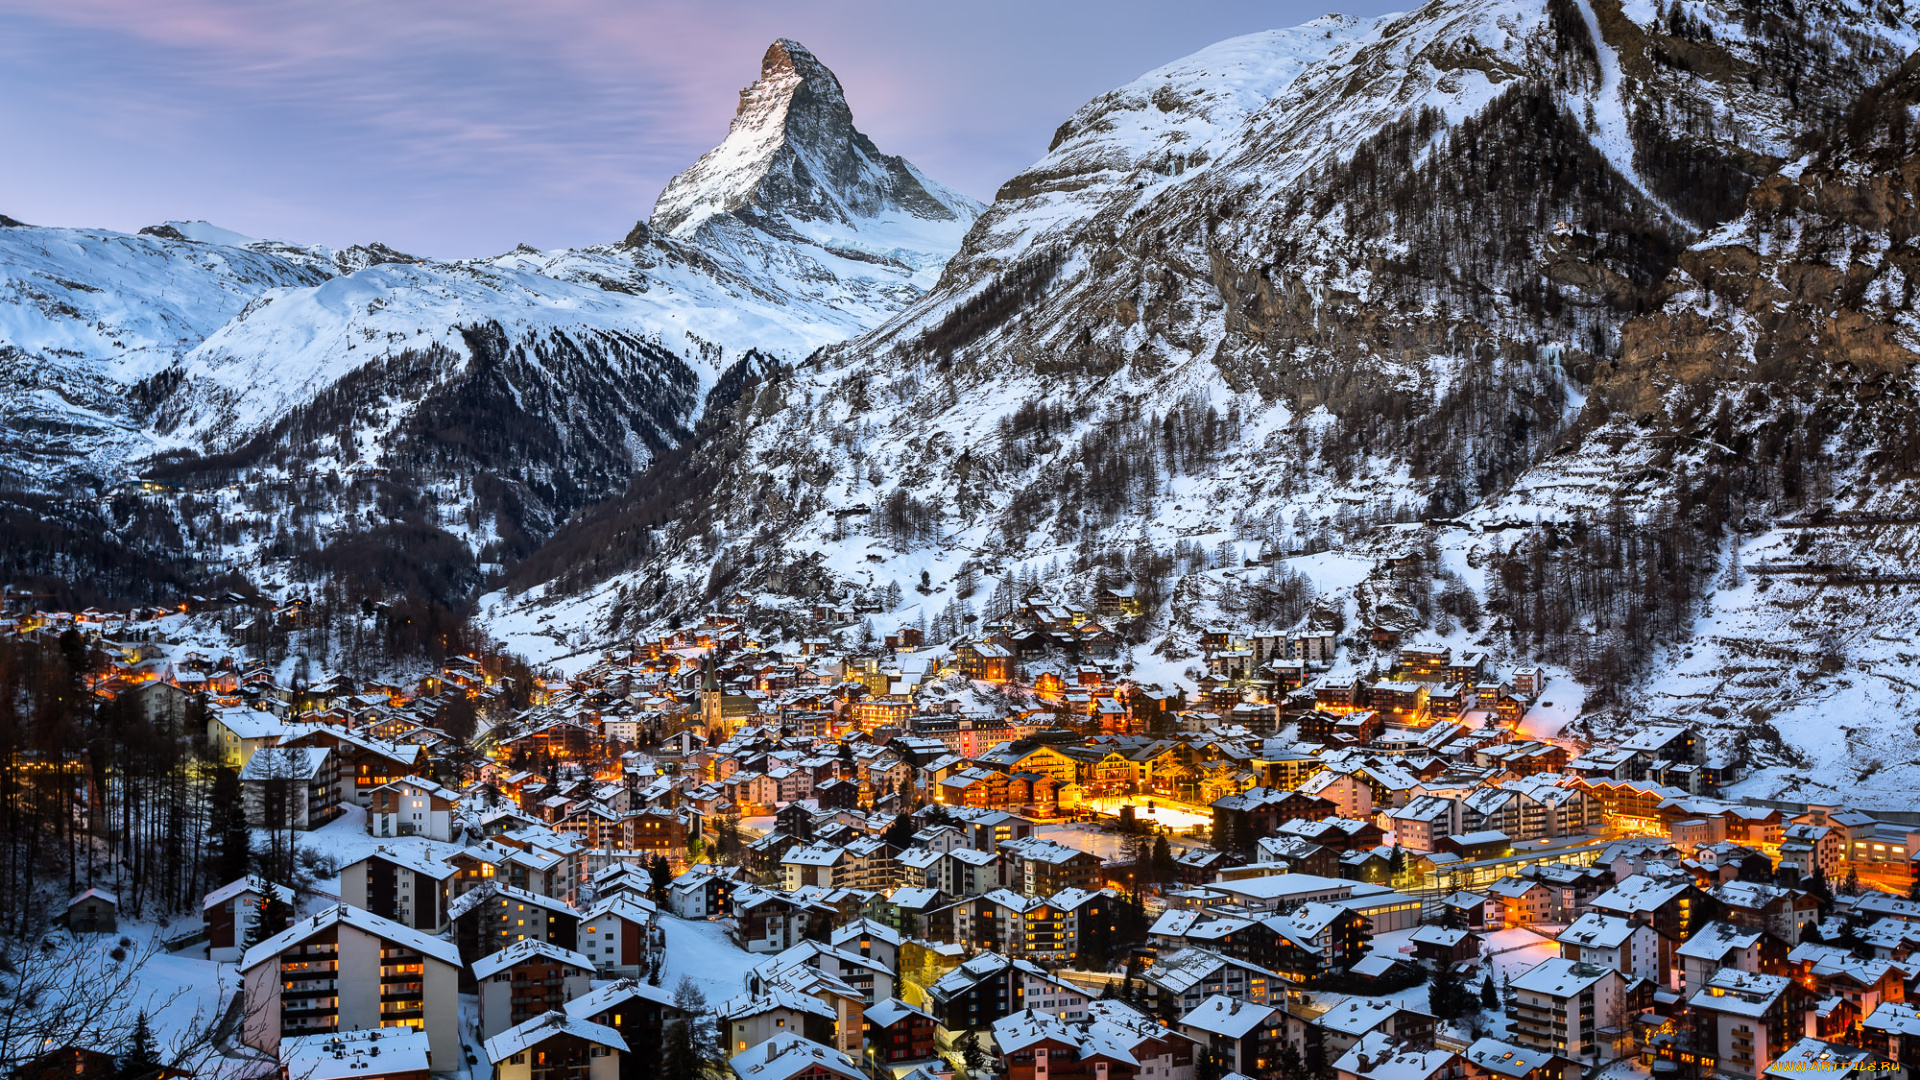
(794, 164)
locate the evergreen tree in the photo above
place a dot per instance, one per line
(1164, 868)
(688, 1050)
(1444, 992)
(1318, 1067)
(1207, 1065)
(899, 832)
(678, 1058)
(1291, 1065)
(1817, 887)
(972, 1054)
(1810, 933)
(140, 1058)
(271, 914)
(232, 839)
(1489, 995)
(1849, 939)
(660, 875)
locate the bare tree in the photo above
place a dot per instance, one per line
(77, 991)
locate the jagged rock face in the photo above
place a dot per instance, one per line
(1817, 276)
(792, 151)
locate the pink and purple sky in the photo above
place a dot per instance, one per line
(458, 129)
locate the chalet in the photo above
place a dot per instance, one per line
(363, 763)
(985, 660)
(236, 733)
(411, 806)
(1721, 945)
(1244, 1036)
(637, 1011)
(788, 1056)
(1499, 1060)
(897, 1032)
(1565, 1006)
(95, 911)
(229, 913)
(557, 1046)
(525, 980)
(617, 934)
(1379, 1056)
(1740, 1022)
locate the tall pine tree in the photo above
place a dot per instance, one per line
(232, 840)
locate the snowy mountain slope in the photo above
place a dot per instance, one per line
(290, 345)
(1773, 394)
(477, 403)
(86, 314)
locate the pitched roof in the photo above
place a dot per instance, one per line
(787, 1055)
(245, 885)
(523, 950)
(607, 995)
(360, 919)
(519, 1037)
(1506, 1058)
(1222, 1015)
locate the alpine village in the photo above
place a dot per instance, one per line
(1388, 554)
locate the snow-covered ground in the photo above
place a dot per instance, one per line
(1151, 811)
(1092, 838)
(702, 951)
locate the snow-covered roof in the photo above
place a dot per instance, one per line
(1741, 993)
(249, 723)
(519, 1037)
(524, 950)
(1559, 977)
(1824, 1058)
(1357, 1016)
(371, 1052)
(1715, 940)
(360, 919)
(1506, 1058)
(248, 884)
(1222, 1015)
(1597, 931)
(787, 1055)
(1377, 1057)
(607, 995)
(891, 1011)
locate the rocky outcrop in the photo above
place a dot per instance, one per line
(1818, 273)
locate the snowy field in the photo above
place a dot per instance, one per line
(701, 950)
(1146, 808)
(1109, 846)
